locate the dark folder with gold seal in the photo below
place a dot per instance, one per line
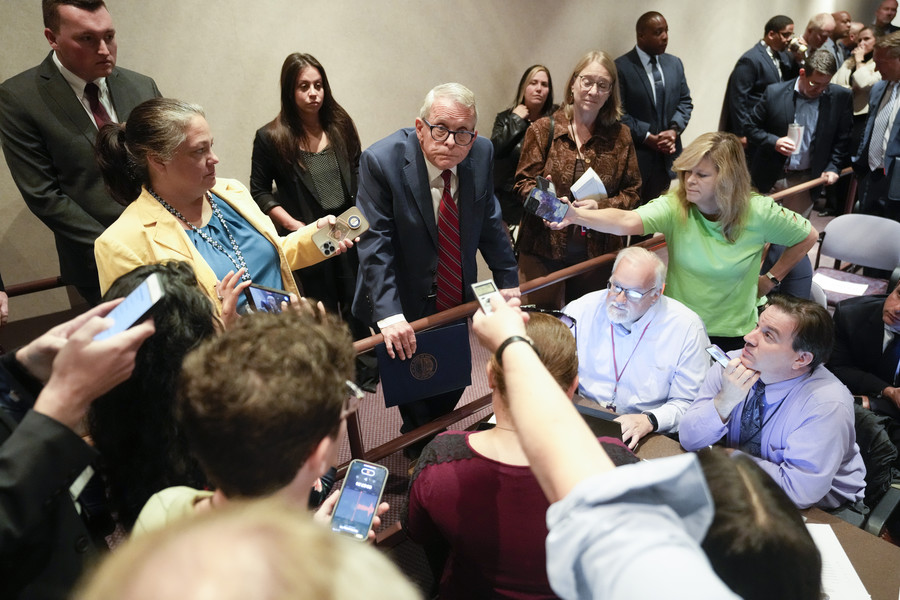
(442, 362)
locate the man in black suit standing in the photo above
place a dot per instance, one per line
(825, 113)
(657, 103)
(758, 68)
(867, 349)
(49, 117)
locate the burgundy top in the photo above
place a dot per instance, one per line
(488, 516)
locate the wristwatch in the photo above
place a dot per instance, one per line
(772, 278)
(653, 420)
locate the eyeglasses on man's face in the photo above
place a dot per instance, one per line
(633, 295)
(439, 133)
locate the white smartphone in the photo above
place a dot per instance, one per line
(133, 307)
(718, 355)
(360, 496)
(484, 291)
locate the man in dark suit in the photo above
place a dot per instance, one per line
(824, 110)
(409, 183)
(49, 117)
(867, 349)
(758, 68)
(656, 101)
(874, 163)
(884, 17)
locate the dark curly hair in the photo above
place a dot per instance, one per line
(133, 426)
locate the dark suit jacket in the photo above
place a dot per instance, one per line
(398, 256)
(44, 544)
(752, 74)
(48, 140)
(769, 120)
(640, 112)
(892, 152)
(858, 338)
(296, 190)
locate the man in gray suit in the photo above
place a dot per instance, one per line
(49, 117)
(657, 103)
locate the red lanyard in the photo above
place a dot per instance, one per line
(612, 337)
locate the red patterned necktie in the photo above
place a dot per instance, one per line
(449, 270)
(101, 117)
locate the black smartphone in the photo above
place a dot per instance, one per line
(546, 206)
(360, 496)
(263, 299)
(133, 307)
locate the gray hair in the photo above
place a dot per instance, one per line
(636, 254)
(456, 92)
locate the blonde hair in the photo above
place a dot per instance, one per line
(611, 111)
(261, 550)
(732, 181)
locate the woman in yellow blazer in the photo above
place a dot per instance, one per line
(161, 166)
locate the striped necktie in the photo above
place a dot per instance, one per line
(876, 142)
(449, 269)
(660, 89)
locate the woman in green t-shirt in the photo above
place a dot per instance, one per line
(716, 228)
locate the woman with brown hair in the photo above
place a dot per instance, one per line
(586, 133)
(310, 150)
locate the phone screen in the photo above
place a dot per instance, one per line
(133, 307)
(546, 206)
(265, 299)
(359, 499)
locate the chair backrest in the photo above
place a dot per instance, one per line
(817, 295)
(864, 240)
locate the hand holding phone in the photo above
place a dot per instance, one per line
(349, 224)
(264, 299)
(546, 205)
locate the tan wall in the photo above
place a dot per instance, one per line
(381, 58)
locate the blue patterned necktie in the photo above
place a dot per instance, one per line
(752, 420)
(660, 90)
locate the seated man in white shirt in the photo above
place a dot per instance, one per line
(639, 353)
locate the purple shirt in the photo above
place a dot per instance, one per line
(808, 440)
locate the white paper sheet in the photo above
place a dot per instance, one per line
(588, 186)
(839, 579)
(830, 284)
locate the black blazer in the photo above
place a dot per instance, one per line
(296, 190)
(858, 338)
(398, 256)
(752, 74)
(769, 121)
(48, 140)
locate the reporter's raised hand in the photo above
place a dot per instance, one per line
(505, 320)
(37, 356)
(736, 382)
(85, 369)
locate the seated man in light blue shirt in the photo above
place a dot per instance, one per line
(639, 353)
(775, 402)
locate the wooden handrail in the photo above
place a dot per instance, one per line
(31, 287)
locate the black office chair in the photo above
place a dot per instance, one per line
(882, 478)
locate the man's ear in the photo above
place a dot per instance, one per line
(804, 359)
(572, 388)
(51, 37)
